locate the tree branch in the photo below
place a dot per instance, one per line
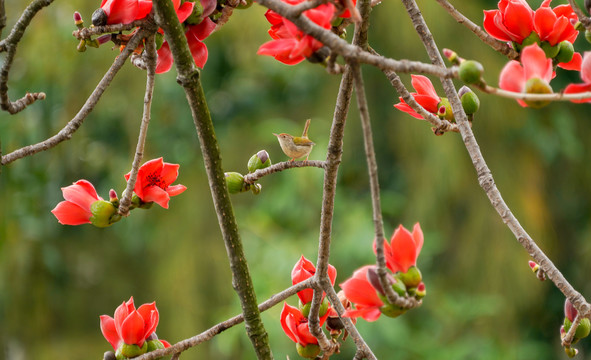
(74, 124)
(188, 77)
(139, 151)
(253, 177)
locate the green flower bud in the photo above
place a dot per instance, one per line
(444, 110)
(118, 355)
(256, 188)
(258, 161)
(159, 38)
(195, 17)
(154, 345)
(235, 182)
(309, 351)
(571, 352)
(533, 38)
(323, 307)
(549, 50)
(245, 5)
(583, 329)
(305, 308)
(133, 350)
(103, 213)
(588, 36)
(566, 52)
(391, 310)
(567, 324)
(537, 86)
(420, 291)
(412, 278)
(470, 72)
(399, 287)
(470, 101)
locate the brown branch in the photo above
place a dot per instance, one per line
(2, 17)
(225, 325)
(88, 32)
(74, 124)
(10, 44)
(535, 97)
(188, 77)
(351, 52)
(139, 151)
(253, 177)
(485, 178)
(499, 46)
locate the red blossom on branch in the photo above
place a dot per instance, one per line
(518, 77)
(361, 292)
(515, 21)
(295, 325)
(125, 11)
(154, 181)
(426, 96)
(130, 326)
(303, 270)
(585, 76)
(75, 210)
(290, 45)
(404, 248)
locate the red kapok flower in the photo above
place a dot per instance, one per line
(426, 96)
(75, 210)
(585, 76)
(513, 21)
(195, 35)
(295, 325)
(153, 182)
(518, 78)
(303, 270)
(554, 25)
(359, 291)
(125, 11)
(130, 326)
(404, 248)
(290, 45)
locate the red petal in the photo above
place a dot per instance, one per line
(304, 335)
(332, 274)
(68, 213)
(287, 321)
(544, 19)
(359, 291)
(369, 313)
(175, 189)
(109, 331)
(169, 172)
(165, 343)
(417, 235)
(586, 67)
(423, 86)
(149, 313)
(512, 77)
(428, 102)
(121, 313)
(404, 251)
(203, 29)
(490, 25)
(402, 106)
(150, 168)
(185, 11)
(208, 7)
(576, 64)
(145, 6)
(132, 329)
(578, 88)
(157, 195)
(81, 193)
(563, 30)
(121, 11)
(518, 18)
(535, 63)
(163, 63)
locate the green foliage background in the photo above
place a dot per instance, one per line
(483, 301)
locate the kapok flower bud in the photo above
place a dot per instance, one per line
(112, 195)
(195, 17)
(412, 278)
(235, 182)
(256, 188)
(549, 50)
(390, 310)
(566, 52)
(470, 102)
(583, 329)
(533, 265)
(452, 56)
(258, 161)
(78, 20)
(444, 110)
(103, 213)
(537, 86)
(571, 352)
(420, 291)
(154, 345)
(99, 17)
(103, 39)
(309, 351)
(129, 351)
(470, 72)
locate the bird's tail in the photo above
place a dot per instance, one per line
(305, 133)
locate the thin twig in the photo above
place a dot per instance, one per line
(188, 77)
(484, 174)
(499, 46)
(74, 124)
(253, 177)
(225, 325)
(10, 45)
(2, 17)
(88, 32)
(535, 97)
(139, 150)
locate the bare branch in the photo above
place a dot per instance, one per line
(2, 17)
(139, 151)
(88, 32)
(535, 97)
(499, 46)
(225, 325)
(74, 124)
(253, 177)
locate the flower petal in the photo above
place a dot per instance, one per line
(68, 213)
(576, 64)
(535, 64)
(404, 252)
(109, 331)
(423, 86)
(490, 25)
(164, 61)
(132, 329)
(175, 189)
(512, 77)
(81, 193)
(157, 195)
(578, 88)
(149, 313)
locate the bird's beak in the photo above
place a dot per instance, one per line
(275, 134)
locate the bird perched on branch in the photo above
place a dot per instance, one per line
(294, 146)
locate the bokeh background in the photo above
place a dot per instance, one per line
(483, 301)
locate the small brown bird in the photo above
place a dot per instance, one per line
(296, 147)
